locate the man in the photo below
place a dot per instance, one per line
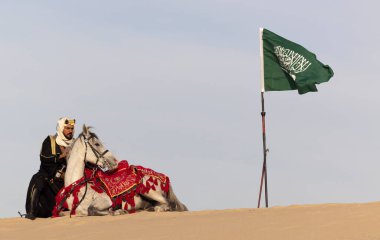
(46, 183)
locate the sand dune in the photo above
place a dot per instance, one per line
(306, 222)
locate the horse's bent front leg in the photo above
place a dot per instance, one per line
(100, 206)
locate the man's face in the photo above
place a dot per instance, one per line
(68, 131)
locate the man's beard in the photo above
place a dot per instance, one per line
(68, 136)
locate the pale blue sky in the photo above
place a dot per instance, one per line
(174, 86)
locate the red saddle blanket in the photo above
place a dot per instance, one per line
(119, 181)
(126, 177)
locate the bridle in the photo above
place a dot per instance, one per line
(98, 155)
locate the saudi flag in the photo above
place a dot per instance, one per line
(286, 65)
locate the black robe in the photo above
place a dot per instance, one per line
(44, 185)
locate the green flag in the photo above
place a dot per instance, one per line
(289, 66)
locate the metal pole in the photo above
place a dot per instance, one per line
(264, 172)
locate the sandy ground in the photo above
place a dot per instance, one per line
(306, 222)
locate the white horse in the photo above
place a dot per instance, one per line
(89, 202)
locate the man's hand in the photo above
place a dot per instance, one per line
(64, 153)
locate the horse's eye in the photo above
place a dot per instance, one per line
(97, 144)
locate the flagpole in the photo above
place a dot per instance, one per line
(264, 172)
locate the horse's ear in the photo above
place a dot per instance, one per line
(85, 129)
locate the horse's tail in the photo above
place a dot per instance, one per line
(174, 203)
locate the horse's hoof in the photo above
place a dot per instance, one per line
(161, 208)
(150, 209)
(118, 212)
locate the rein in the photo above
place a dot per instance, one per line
(98, 156)
(72, 189)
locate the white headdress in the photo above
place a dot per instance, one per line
(61, 139)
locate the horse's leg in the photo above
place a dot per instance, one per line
(145, 203)
(166, 201)
(92, 204)
(158, 195)
(140, 204)
(101, 205)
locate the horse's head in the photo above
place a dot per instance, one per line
(96, 153)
